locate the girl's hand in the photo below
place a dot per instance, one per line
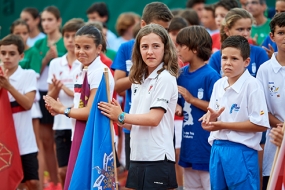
(111, 110)
(52, 53)
(276, 135)
(53, 106)
(186, 94)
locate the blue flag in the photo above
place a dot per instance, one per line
(94, 167)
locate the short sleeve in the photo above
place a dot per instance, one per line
(215, 61)
(261, 57)
(51, 71)
(94, 78)
(165, 89)
(31, 81)
(36, 61)
(257, 111)
(124, 54)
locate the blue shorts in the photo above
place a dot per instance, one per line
(233, 166)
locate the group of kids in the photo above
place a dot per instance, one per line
(228, 97)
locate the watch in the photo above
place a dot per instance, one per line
(67, 111)
(121, 118)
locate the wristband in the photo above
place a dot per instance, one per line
(121, 118)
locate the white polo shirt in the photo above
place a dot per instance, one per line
(243, 101)
(157, 91)
(63, 72)
(94, 76)
(272, 75)
(24, 81)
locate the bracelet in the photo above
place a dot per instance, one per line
(121, 118)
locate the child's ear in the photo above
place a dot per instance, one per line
(226, 30)
(22, 55)
(271, 36)
(247, 62)
(99, 48)
(143, 23)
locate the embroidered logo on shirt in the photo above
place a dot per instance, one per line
(150, 89)
(200, 93)
(261, 112)
(135, 90)
(273, 90)
(162, 99)
(234, 107)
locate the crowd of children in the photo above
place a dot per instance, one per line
(196, 92)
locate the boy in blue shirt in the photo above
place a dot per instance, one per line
(195, 84)
(236, 116)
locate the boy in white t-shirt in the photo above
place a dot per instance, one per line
(271, 76)
(236, 116)
(21, 86)
(62, 71)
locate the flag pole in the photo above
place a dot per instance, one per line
(272, 178)
(106, 75)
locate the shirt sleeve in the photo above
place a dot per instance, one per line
(119, 62)
(257, 111)
(31, 84)
(51, 72)
(261, 57)
(165, 89)
(36, 61)
(215, 61)
(94, 77)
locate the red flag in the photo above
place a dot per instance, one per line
(11, 173)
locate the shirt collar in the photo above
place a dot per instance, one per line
(154, 73)
(64, 61)
(95, 63)
(274, 63)
(16, 74)
(239, 83)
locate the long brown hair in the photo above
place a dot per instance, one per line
(231, 18)
(170, 60)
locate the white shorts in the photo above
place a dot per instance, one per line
(196, 179)
(36, 111)
(178, 133)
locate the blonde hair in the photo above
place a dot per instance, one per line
(170, 60)
(125, 21)
(231, 18)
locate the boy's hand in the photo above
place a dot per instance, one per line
(276, 135)
(209, 120)
(4, 80)
(178, 110)
(56, 83)
(186, 94)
